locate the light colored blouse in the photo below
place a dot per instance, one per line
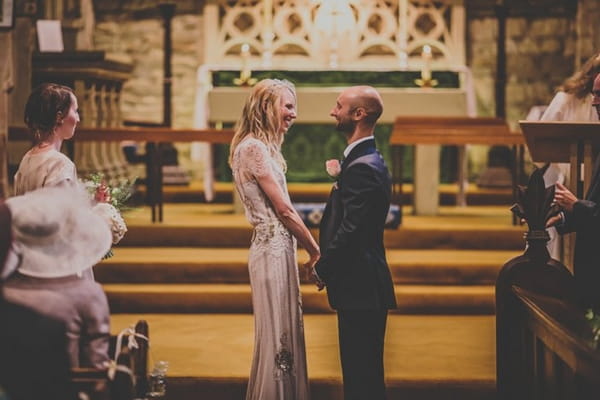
(48, 168)
(567, 107)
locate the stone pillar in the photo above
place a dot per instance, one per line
(426, 174)
(23, 44)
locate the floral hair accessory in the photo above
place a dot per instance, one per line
(333, 167)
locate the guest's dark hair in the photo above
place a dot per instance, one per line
(582, 82)
(43, 106)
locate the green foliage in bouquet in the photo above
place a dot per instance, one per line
(594, 321)
(116, 194)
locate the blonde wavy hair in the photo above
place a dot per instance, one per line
(580, 84)
(261, 118)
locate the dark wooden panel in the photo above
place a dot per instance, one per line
(523, 8)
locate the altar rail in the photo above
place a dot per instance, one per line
(152, 137)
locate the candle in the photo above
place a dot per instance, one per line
(245, 73)
(426, 57)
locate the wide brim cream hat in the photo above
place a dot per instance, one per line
(56, 233)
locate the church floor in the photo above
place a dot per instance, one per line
(209, 355)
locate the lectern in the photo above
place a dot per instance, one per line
(574, 142)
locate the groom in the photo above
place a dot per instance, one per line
(353, 266)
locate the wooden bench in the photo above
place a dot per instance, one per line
(127, 378)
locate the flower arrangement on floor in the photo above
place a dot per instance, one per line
(110, 201)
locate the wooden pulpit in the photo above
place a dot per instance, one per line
(576, 143)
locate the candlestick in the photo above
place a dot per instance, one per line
(426, 80)
(245, 72)
(426, 57)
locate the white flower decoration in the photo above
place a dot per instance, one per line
(114, 220)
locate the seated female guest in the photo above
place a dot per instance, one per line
(55, 237)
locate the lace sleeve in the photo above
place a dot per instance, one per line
(255, 159)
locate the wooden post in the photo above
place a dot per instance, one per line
(500, 94)
(6, 84)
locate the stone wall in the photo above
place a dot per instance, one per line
(588, 27)
(141, 42)
(539, 56)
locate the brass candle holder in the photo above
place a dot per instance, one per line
(245, 78)
(426, 81)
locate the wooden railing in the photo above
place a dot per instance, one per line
(152, 137)
(544, 346)
(559, 359)
(455, 131)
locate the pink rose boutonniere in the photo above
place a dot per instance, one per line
(333, 167)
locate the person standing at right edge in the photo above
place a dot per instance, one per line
(353, 265)
(582, 216)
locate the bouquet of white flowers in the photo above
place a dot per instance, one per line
(110, 201)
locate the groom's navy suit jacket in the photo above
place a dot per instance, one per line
(353, 263)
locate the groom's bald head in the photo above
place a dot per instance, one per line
(368, 98)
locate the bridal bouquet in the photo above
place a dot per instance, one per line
(110, 202)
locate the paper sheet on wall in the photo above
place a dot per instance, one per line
(49, 35)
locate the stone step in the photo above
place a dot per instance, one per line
(318, 192)
(236, 298)
(224, 234)
(229, 265)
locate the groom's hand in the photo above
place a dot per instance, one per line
(320, 284)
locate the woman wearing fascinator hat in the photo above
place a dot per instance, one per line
(55, 236)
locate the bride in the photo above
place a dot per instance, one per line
(279, 361)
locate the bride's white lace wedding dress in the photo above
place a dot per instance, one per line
(279, 361)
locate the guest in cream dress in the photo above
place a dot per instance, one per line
(51, 113)
(279, 361)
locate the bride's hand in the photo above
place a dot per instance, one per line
(309, 267)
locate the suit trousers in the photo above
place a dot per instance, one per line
(361, 336)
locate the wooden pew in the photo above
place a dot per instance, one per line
(129, 380)
(544, 347)
(100, 384)
(455, 131)
(151, 135)
(559, 356)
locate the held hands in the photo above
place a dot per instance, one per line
(309, 267)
